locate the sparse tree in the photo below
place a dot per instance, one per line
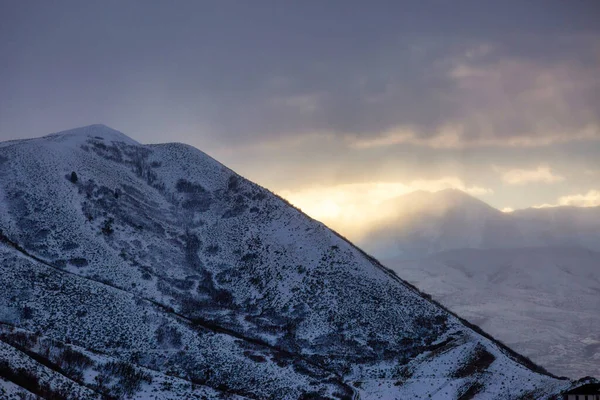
(107, 228)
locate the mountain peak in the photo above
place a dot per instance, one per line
(95, 131)
(444, 193)
(441, 201)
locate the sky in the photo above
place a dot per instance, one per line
(336, 105)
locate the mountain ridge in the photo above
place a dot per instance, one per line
(430, 222)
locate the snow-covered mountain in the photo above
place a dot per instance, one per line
(561, 226)
(428, 223)
(153, 271)
(543, 302)
(529, 277)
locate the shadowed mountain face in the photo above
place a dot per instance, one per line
(428, 223)
(156, 272)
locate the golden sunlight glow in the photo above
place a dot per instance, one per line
(589, 199)
(354, 208)
(542, 173)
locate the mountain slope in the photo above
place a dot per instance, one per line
(543, 302)
(165, 260)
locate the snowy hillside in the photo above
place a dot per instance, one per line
(428, 223)
(543, 302)
(156, 272)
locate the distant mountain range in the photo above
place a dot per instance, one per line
(542, 301)
(530, 277)
(428, 223)
(154, 272)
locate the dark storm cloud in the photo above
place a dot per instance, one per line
(242, 71)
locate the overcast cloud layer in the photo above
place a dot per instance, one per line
(295, 95)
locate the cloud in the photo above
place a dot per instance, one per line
(542, 174)
(507, 210)
(492, 95)
(445, 137)
(353, 207)
(545, 205)
(438, 93)
(453, 136)
(372, 75)
(589, 199)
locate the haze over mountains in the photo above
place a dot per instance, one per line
(153, 271)
(530, 277)
(427, 223)
(542, 301)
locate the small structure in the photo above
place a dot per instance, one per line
(591, 391)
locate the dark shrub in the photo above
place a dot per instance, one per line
(249, 257)
(184, 186)
(168, 336)
(471, 391)
(107, 228)
(66, 246)
(130, 378)
(233, 183)
(311, 395)
(255, 357)
(19, 339)
(146, 276)
(27, 312)
(79, 262)
(238, 208)
(478, 362)
(73, 178)
(197, 198)
(212, 249)
(29, 381)
(223, 297)
(73, 362)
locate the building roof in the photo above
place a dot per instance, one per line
(590, 388)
